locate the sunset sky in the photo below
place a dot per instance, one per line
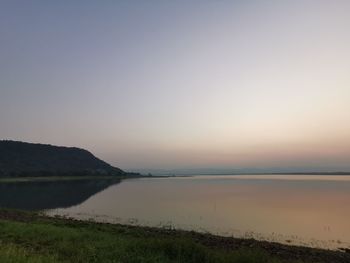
(180, 84)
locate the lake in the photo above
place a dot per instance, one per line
(294, 209)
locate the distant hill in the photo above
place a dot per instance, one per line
(29, 159)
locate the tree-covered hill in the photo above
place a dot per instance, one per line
(28, 159)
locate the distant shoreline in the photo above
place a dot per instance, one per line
(206, 174)
(74, 178)
(128, 176)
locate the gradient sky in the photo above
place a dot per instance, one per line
(180, 84)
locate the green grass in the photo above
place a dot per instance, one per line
(11, 253)
(51, 240)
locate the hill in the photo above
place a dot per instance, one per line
(29, 159)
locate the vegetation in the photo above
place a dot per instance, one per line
(28, 159)
(57, 241)
(30, 237)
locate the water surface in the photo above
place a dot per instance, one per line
(304, 210)
(41, 195)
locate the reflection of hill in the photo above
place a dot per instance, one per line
(50, 195)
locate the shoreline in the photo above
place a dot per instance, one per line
(209, 241)
(126, 177)
(71, 178)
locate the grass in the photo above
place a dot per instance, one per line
(10, 253)
(56, 240)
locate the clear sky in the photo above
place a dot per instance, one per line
(180, 84)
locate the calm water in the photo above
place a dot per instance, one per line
(306, 210)
(34, 195)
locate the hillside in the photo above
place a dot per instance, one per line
(28, 159)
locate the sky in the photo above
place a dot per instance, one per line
(180, 84)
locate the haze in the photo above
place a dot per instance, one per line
(180, 84)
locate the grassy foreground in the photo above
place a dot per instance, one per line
(29, 237)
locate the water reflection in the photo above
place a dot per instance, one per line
(308, 211)
(50, 194)
(312, 211)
